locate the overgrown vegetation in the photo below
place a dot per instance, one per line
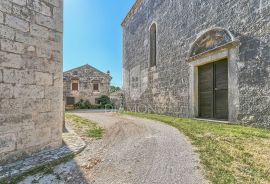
(104, 102)
(228, 153)
(83, 104)
(85, 126)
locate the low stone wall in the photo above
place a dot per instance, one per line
(73, 145)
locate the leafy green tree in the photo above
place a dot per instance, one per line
(115, 88)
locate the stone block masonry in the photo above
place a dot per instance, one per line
(31, 95)
(171, 87)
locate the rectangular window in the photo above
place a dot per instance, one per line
(75, 86)
(95, 87)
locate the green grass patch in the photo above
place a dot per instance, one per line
(85, 126)
(229, 153)
(96, 132)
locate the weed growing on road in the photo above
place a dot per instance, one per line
(96, 132)
(228, 153)
(89, 128)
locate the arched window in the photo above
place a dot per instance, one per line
(153, 45)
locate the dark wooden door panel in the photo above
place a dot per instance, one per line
(221, 104)
(221, 74)
(221, 89)
(206, 91)
(206, 78)
(213, 90)
(206, 104)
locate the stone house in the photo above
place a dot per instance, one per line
(31, 104)
(199, 58)
(86, 83)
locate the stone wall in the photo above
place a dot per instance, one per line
(166, 88)
(86, 75)
(31, 96)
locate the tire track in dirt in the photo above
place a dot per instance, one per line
(143, 151)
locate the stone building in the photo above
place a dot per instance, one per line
(31, 84)
(86, 83)
(199, 58)
(117, 98)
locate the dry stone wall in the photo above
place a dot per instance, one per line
(31, 96)
(166, 88)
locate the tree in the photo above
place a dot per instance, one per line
(114, 89)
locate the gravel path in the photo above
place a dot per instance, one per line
(133, 151)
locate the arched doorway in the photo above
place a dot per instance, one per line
(214, 76)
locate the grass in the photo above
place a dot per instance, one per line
(89, 128)
(229, 154)
(96, 132)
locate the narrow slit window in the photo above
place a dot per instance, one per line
(153, 45)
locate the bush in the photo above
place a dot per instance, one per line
(87, 104)
(83, 104)
(105, 102)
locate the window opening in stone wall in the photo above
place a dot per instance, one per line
(153, 45)
(135, 82)
(95, 86)
(75, 86)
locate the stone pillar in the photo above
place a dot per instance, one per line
(31, 105)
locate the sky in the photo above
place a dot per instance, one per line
(93, 35)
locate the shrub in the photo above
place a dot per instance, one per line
(105, 102)
(83, 104)
(87, 104)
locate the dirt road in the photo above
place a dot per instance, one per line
(133, 151)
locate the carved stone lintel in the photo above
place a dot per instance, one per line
(228, 45)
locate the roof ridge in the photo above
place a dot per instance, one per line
(86, 65)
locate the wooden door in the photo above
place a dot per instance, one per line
(221, 90)
(213, 90)
(206, 91)
(70, 101)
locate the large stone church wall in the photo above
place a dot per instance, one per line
(165, 88)
(31, 96)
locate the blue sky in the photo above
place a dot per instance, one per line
(93, 34)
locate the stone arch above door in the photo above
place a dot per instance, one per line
(210, 40)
